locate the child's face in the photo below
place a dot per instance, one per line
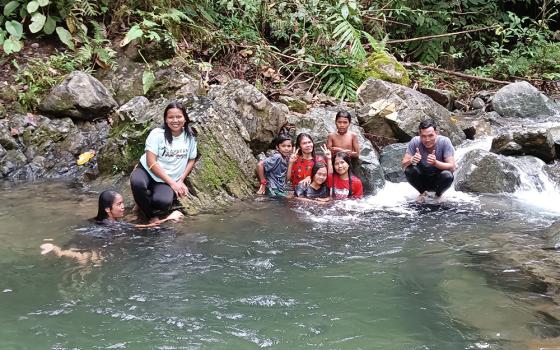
(342, 125)
(340, 166)
(306, 145)
(320, 176)
(117, 208)
(285, 148)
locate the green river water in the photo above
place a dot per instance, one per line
(268, 275)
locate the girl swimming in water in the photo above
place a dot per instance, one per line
(302, 160)
(342, 182)
(317, 190)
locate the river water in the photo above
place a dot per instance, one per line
(379, 273)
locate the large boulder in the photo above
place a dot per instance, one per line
(527, 141)
(485, 172)
(392, 110)
(225, 169)
(79, 96)
(391, 157)
(475, 123)
(319, 122)
(381, 65)
(523, 100)
(260, 119)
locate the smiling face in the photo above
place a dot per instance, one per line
(116, 211)
(285, 148)
(305, 145)
(428, 137)
(175, 120)
(340, 166)
(320, 176)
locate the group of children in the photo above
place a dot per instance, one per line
(313, 177)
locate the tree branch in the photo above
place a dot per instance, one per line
(450, 72)
(439, 35)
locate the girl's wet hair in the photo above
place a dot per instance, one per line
(167, 131)
(315, 169)
(106, 199)
(299, 140)
(281, 138)
(343, 114)
(346, 158)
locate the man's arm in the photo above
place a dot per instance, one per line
(406, 161)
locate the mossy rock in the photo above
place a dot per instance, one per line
(383, 66)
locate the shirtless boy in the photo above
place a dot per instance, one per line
(343, 140)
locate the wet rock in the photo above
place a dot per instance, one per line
(485, 172)
(390, 160)
(377, 97)
(319, 122)
(12, 160)
(7, 140)
(553, 173)
(533, 141)
(79, 96)
(523, 100)
(445, 98)
(553, 139)
(260, 118)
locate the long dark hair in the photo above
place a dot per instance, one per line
(281, 138)
(106, 199)
(315, 169)
(167, 130)
(299, 139)
(346, 158)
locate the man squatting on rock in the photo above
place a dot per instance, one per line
(429, 162)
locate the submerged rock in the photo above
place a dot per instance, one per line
(391, 110)
(79, 96)
(485, 172)
(523, 100)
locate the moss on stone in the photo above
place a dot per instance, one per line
(383, 66)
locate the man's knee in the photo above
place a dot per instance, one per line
(411, 171)
(446, 176)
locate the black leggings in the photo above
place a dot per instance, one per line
(422, 181)
(149, 194)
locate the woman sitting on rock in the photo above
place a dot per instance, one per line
(169, 158)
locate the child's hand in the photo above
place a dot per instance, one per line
(326, 152)
(262, 189)
(294, 155)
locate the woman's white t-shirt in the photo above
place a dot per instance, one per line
(172, 158)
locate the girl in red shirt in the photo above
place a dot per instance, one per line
(342, 182)
(302, 160)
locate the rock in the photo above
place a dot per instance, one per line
(553, 138)
(8, 93)
(261, 118)
(125, 81)
(376, 97)
(485, 172)
(79, 96)
(7, 139)
(171, 82)
(319, 122)
(478, 103)
(294, 104)
(523, 100)
(474, 123)
(553, 173)
(445, 98)
(12, 160)
(381, 65)
(533, 141)
(390, 160)
(134, 110)
(226, 168)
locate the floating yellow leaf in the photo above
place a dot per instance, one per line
(85, 157)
